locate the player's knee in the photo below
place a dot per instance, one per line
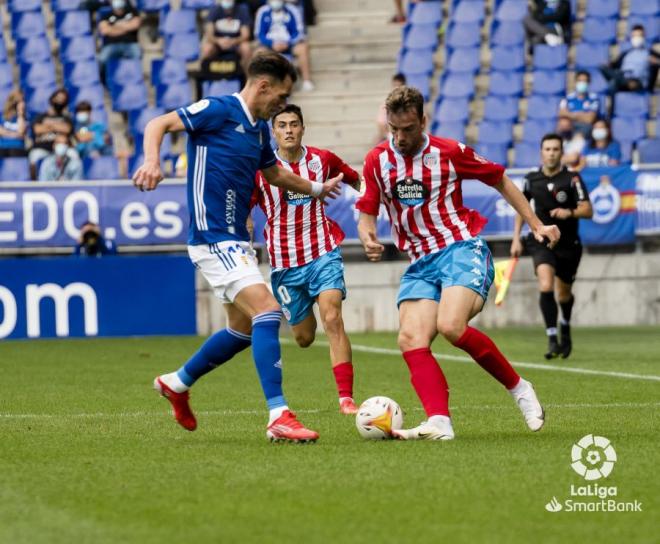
(332, 321)
(409, 339)
(305, 339)
(451, 329)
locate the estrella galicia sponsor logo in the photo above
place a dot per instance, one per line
(410, 192)
(296, 199)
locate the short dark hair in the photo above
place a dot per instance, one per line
(583, 73)
(403, 99)
(290, 108)
(552, 136)
(638, 27)
(84, 105)
(399, 77)
(271, 64)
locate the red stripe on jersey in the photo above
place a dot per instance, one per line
(442, 204)
(411, 210)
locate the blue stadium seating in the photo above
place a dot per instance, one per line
(598, 83)
(507, 58)
(464, 35)
(99, 115)
(166, 71)
(511, 10)
(472, 11)
(78, 74)
(628, 128)
(526, 154)
(591, 55)
(464, 59)
(501, 108)
(626, 151)
(599, 30)
(138, 119)
(495, 132)
(451, 110)
(72, 23)
(27, 24)
(417, 61)
(457, 86)
(645, 7)
(3, 49)
(124, 72)
(425, 12)
(101, 168)
(493, 152)
(153, 5)
(37, 74)
(454, 131)
(506, 83)
(134, 163)
(91, 93)
(182, 21)
(507, 33)
(420, 36)
(4, 93)
(15, 6)
(542, 107)
(65, 5)
(77, 49)
(651, 26)
(173, 96)
(182, 46)
(197, 4)
(14, 169)
(535, 129)
(421, 82)
(6, 76)
(549, 82)
(33, 50)
(550, 58)
(36, 100)
(631, 104)
(221, 87)
(649, 150)
(602, 8)
(129, 97)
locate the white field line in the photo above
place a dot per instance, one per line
(119, 415)
(521, 364)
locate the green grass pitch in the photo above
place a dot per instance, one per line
(89, 453)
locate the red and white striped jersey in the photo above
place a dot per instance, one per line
(422, 194)
(297, 230)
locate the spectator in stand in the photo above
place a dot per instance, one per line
(573, 142)
(636, 69)
(63, 164)
(278, 27)
(601, 149)
(119, 30)
(92, 244)
(13, 127)
(47, 126)
(92, 137)
(227, 32)
(400, 13)
(581, 106)
(548, 21)
(398, 80)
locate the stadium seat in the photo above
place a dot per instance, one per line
(91, 93)
(37, 74)
(129, 97)
(602, 8)
(644, 8)
(79, 74)
(180, 21)
(138, 119)
(542, 107)
(28, 25)
(457, 86)
(451, 110)
(535, 129)
(14, 169)
(65, 5)
(501, 108)
(493, 152)
(3, 50)
(421, 82)
(549, 82)
(628, 128)
(526, 154)
(167, 71)
(101, 168)
(4, 93)
(469, 12)
(506, 83)
(37, 100)
(547, 57)
(631, 104)
(16, 6)
(197, 4)
(495, 132)
(33, 50)
(626, 151)
(134, 162)
(464, 35)
(507, 33)
(153, 5)
(425, 12)
(421, 36)
(77, 49)
(649, 150)
(599, 30)
(124, 71)
(511, 10)
(72, 23)
(99, 115)
(598, 83)
(507, 58)
(417, 61)
(464, 59)
(221, 87)
(173, 96)
(6, 76)
(182, 46)
(591, 55)
(454, 131)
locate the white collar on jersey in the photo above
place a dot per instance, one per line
(248, 114)
(421, 150)
(304, 154)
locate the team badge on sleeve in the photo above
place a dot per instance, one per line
(198, 106)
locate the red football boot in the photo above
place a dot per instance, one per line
(288, 428)
(179, 401)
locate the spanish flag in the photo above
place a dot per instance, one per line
(503, 272)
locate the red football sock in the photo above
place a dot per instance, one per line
(483, 350)
(344, 377)
(429, 382)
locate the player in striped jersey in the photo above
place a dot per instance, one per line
(228, 141)
(418, 179)
(303, 247)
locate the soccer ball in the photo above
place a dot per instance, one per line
(377, 417)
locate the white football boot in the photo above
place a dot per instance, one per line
(529, 404)
(438, 429)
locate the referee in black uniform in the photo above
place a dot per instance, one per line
(560, 198)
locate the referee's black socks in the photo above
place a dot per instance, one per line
(566, 309)
(550, 312)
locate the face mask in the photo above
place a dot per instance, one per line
(60, 149)
(637, 41)
(82, 117)
(118, 5)
(227, 4)
(582, 87)
(58, 107)
(276, 4)
(599, 134)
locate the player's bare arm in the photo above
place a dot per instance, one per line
(367, 233)
(514, 196)
(279, 177)
(149, 175)
(583, 211)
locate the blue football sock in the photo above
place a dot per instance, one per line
(266, 353)
(217, 349)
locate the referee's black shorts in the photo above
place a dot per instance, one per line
(565, 259)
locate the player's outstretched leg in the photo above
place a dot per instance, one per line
(218, 349)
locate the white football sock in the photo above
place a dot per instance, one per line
(520, 387)
(173, 381)
(440, 421)
(275, 413)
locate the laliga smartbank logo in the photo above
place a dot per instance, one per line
(593, 458)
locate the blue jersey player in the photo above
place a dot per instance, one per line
(228, 142)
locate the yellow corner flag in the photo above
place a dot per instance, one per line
(503, 272)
